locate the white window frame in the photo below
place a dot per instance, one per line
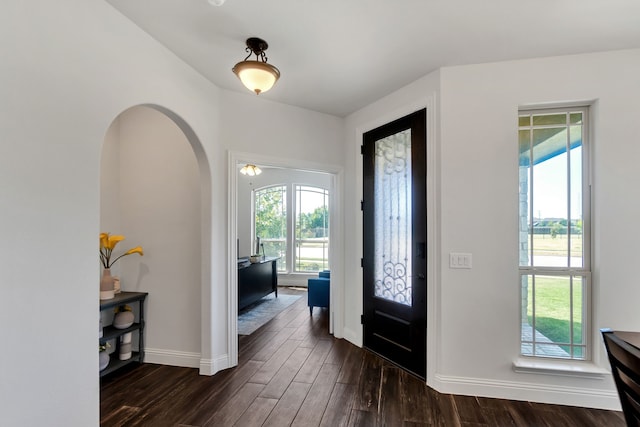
(288, 263)
(583, 271)
(283, 267)
(295, 241)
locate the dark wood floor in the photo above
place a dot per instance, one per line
(292, 372)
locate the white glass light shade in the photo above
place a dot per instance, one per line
(257, 76)
(250, 170)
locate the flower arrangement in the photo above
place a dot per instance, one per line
(108, 244)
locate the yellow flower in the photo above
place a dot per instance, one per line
(104, 240)
(113, 241)
(136, 250)
(108, 244)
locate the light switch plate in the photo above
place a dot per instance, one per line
(460, 260)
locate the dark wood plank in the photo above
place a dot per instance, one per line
(311, 367)
(525, 415)
(220, 396)
(608, 418)
(366, 398)
(338, 353)
(249, 347)
(468, 409)
(229, 414)
(268, 370)
(279, 383)
(350, 372)
(390, 406)
(314, 405)
(495, 412)
(362, 419)
(273, 345)
(257, 413)
(443, 410)
(287, 407)
(119, 416)
(415, 402)
(339, 407)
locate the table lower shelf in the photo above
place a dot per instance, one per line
(115, 363)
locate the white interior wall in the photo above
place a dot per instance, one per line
(64, 84)
(159, 208)
(479, 215)
(472, 344)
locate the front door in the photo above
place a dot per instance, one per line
(394, 264)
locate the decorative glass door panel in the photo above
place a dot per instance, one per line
(392, 213)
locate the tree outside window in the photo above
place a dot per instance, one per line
(270, 206)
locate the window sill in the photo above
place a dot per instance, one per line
(566, 368)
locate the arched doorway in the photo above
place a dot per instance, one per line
(155, 190)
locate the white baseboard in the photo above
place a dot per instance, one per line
(213, 366)
(171, 357)
(558, 395)
(186, 360)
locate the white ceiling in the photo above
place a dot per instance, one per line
(337, 56)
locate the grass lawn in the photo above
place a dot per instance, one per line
(553, 294)
(556, 246)
(552, 310)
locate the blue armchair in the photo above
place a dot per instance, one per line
(318, 290)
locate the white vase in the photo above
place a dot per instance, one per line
(125, 347)
(123, 319)
(103, 357)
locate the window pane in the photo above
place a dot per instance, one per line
(579, 285)
(575, 200)
(554, 317)
(550, 242)
(549, 119)
(575, 118)
(312, 229)
(524, 144)
(271, 222)
(524, 120)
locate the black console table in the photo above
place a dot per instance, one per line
(256, 280)
(110, 332)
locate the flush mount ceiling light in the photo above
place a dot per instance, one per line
(257, 76)
(250, 170)
(217, 2)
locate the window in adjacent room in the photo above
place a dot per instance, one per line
(311, 229)
(270, 224)
(555, 276)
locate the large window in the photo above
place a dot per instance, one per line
(554, 249)
(270, 222)
(312, 229)
(294, 226)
